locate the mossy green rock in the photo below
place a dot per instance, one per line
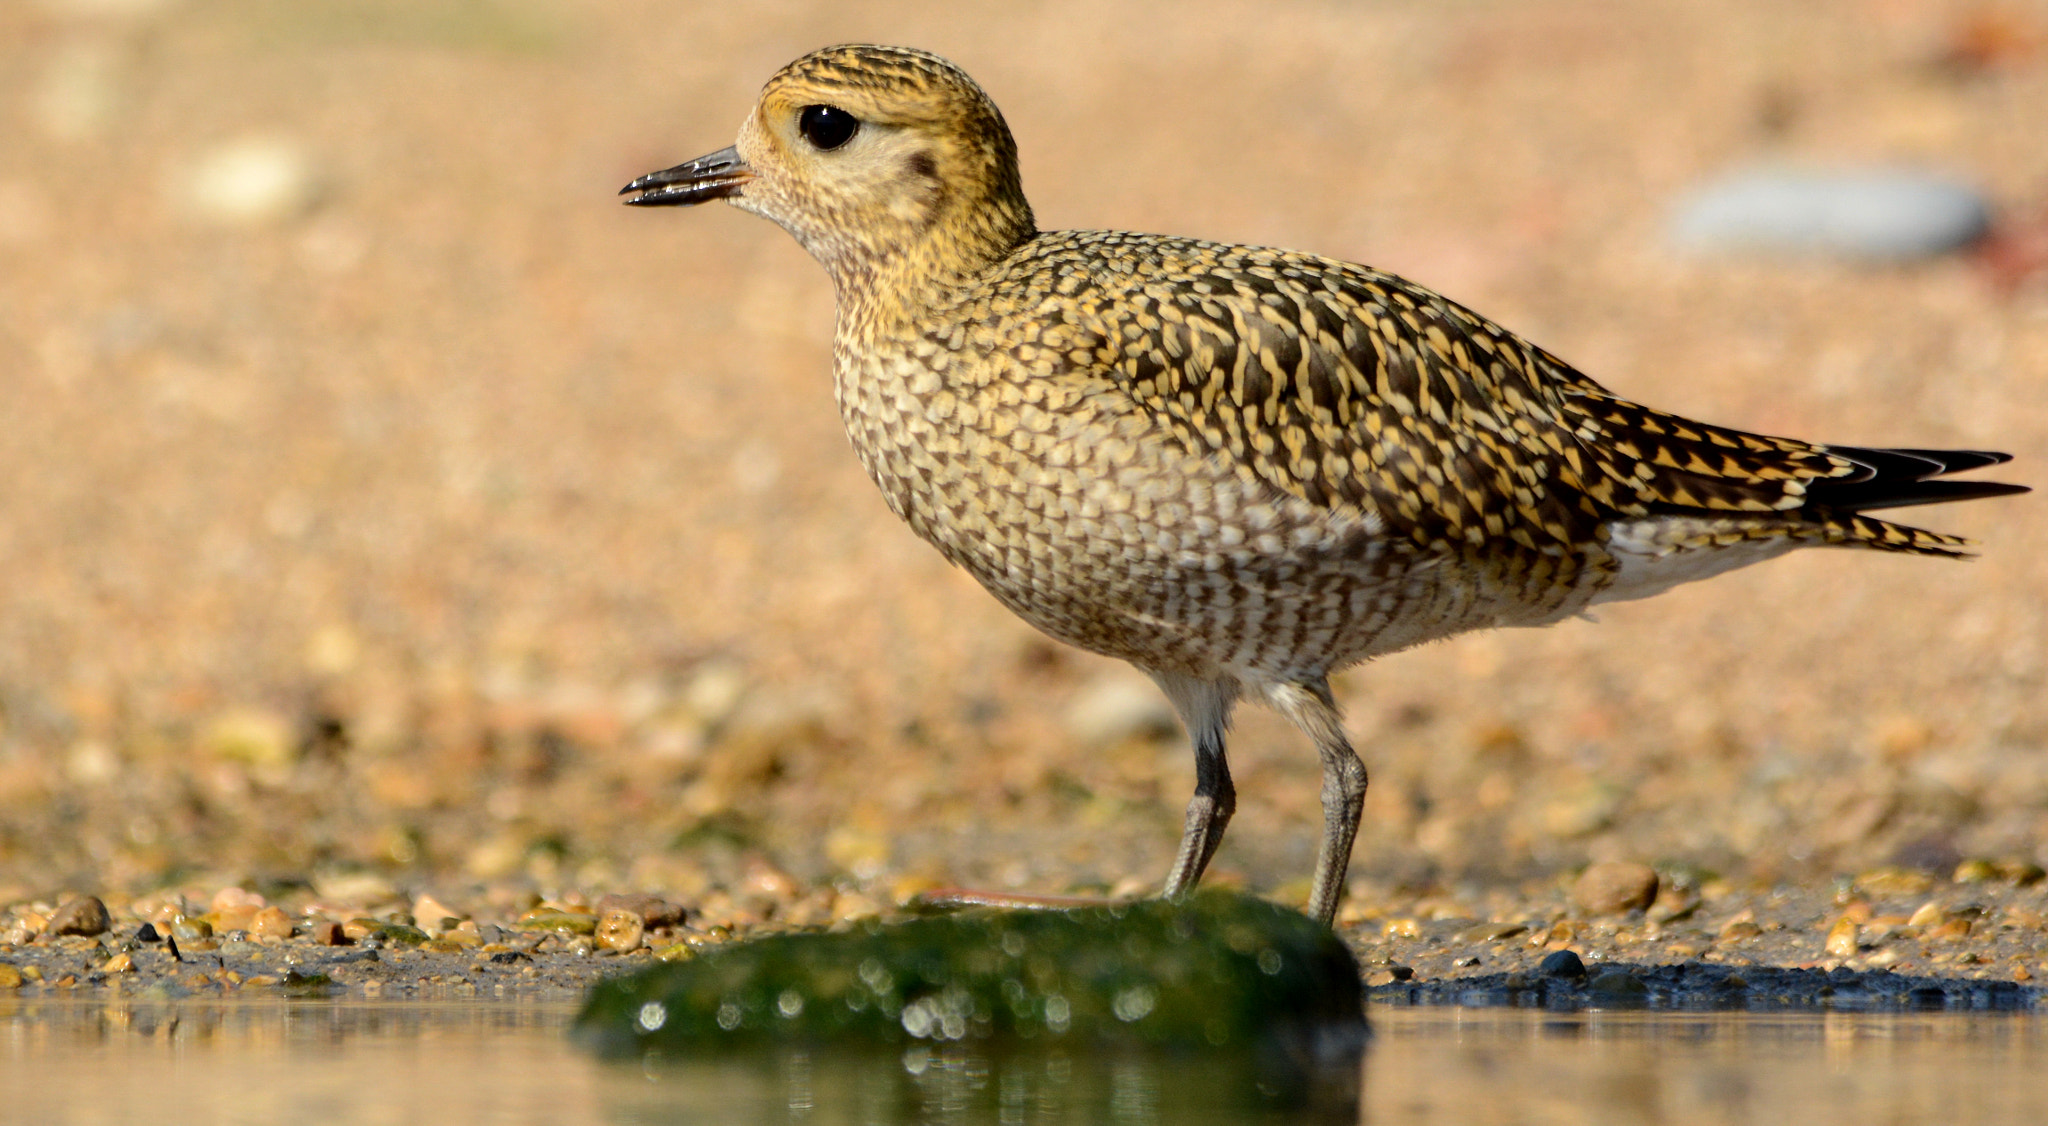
(567, 922)
(1201, 1010)
(398, 934)
(1216, 971)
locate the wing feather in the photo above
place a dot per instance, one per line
(1354, 389)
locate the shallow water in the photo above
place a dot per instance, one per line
(254, 1061)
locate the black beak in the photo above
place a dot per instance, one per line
(716, 176)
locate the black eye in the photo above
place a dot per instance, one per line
(827, 127)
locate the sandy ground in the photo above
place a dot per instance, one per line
(392, 504)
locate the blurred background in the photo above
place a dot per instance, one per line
(379, 498)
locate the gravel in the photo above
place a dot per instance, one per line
(1913, 941)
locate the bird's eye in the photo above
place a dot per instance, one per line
(827, 127)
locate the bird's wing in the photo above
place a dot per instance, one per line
(1349, 387)
(1354, 389)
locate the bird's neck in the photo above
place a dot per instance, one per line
(930, 262)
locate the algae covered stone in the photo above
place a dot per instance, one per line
(1200, 1009)
(1216, 971)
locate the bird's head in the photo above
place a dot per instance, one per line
(878, 160)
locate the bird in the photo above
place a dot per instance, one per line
(1239, 469)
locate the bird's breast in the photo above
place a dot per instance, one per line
(1092, 520)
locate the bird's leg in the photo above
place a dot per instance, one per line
(1208, 815)
(1310, 707)
(1204, 707)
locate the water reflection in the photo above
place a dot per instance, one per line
(1500, 1066)
(955, 1085)
(252, 1061)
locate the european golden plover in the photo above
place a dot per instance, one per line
(1239, 469)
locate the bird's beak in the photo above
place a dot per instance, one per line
(716, 176)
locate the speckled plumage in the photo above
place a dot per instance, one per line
(1238, 468)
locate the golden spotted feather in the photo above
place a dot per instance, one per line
(1237, 468)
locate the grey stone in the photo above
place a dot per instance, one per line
(1614, 888)
(1872, 214)
(85, 915)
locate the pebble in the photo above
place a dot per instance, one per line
(1674, 903)
(85, 915)
(253, 182)
(1841, 940)
(327, 932)
(1739, 926)
(765, 879)
(1867, 214)
(190, 930)
(1562, 963)
(1975, 872)
(357, 930)
(2025, 873)
(1488, 932)
(852, 906)
(354, 887)
(622, 931)
(398, 934)
(1401, 928)
(653, 910)
(160, 909)
(560, 921)
(1893, 883)
(1929, 914)
(1950, 930)
(235, 898)
(231, 919)
(270, 922)
(714, 692)
(1614, 888)
(10, 977)
(430, 913)
(256, 738)
(1618, 985)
